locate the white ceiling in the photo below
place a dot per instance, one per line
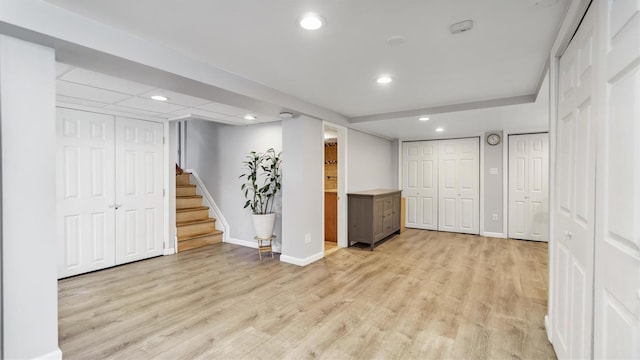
(76, 86)
(335, 67)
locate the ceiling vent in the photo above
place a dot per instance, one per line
(461, 27)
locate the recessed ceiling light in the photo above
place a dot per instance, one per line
(159, 98)
(424, 118)
(311, 22)
(384, 79)
(249, 117)
(286, 115)
(439, 129)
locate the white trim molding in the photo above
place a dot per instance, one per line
(54, 355)
(246, 243)
(494, 235)
(214, 210)
(302, 262)
(547, 327)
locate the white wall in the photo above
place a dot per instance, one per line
(216, 152)
(302, 197)
(30, 288)
(372, 162)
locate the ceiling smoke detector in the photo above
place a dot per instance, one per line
(286, 115)
(460, 27)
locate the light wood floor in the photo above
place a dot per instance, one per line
(420, 295)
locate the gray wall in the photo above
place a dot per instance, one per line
(216, 152)
(372, 162)
(493, 185)
(302, 197)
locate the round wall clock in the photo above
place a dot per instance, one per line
(493, 139)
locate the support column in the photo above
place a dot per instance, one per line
(27, 126)
(302, 191)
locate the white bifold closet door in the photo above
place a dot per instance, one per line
(529, 187)
(617, 260)
(459, 185)
(420, 184)
(109, 191)
(441, 181)
(575, 195)
(85, 192)
(139, 189)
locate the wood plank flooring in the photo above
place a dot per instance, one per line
(419, 295)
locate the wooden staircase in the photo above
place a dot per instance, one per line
(195, 227)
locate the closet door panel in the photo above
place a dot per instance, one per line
(420, 184)
(528, 187)
(84, 191)
(139, 189)
(617, 277)
(575, 186)
(459, 177)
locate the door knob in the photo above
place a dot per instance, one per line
(568, 235)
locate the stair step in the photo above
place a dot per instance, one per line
(192, 214)
(194, 228)
(185, 190)
(199, 241)
(185, 202)
(183, 179)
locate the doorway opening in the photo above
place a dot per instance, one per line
(330, 190)
(335, 187)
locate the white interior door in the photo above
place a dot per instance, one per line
(459, 185)
(139, 189)
(617, 263)
(575, 194)
(420, 184)
(528, 187)
(84, 191)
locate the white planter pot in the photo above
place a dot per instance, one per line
(263, 224)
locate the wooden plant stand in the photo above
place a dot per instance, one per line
(265, 245)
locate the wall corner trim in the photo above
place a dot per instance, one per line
(246, 243)
(494, 235)
(547, 327)
(302, 262)
(54, 355)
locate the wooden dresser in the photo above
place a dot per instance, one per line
(373, 215)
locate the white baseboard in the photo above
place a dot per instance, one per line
(247, 243)
(54, 355)
(302, 262)
(494, 235)
(547, 326)
(169, 251)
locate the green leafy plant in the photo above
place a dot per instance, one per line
(262, 172)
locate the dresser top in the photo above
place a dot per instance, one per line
(375, 192)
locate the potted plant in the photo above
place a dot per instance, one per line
(263, 182)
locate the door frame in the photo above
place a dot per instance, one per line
(342, 183)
